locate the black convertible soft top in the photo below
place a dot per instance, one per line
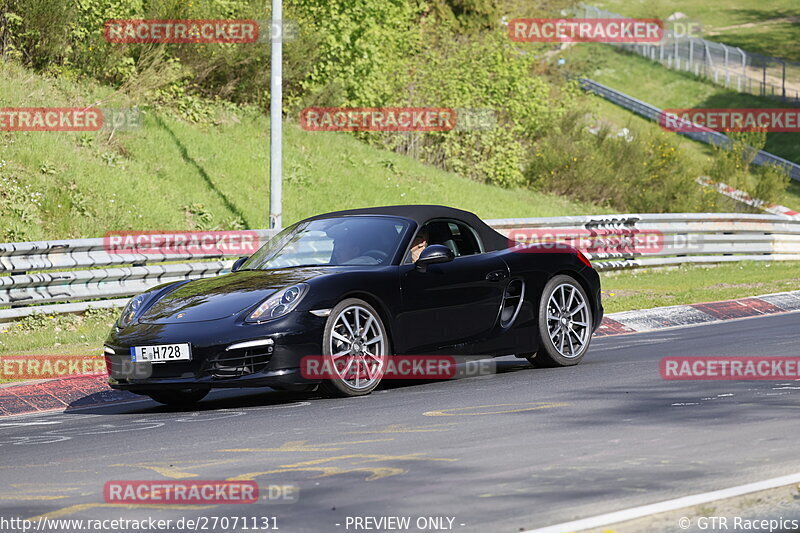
(492, 240)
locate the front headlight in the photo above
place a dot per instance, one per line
(131, 311)
(279, 304)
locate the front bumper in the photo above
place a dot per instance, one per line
(216, 361)
(281, 379)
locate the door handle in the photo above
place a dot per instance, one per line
(496, 275)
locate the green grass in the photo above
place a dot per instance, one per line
(781, 39)
(665, 88)
(58, 334)
(172, 174)
(644, 289)
(767, 35)
(712, 14)
(68, 335)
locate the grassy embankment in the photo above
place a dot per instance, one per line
(176, 175)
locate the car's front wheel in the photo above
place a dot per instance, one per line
(565, 323)
(180, 397)
(355, 349)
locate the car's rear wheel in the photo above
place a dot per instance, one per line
(355, 348)
(565, 323)
(180, 397)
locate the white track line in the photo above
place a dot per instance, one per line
(669, 505)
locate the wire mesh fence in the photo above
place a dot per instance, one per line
(728, 66)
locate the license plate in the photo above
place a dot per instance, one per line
(162, 353)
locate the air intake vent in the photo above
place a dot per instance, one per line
(238, 363)
(512, 301)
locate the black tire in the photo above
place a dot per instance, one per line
(338, 386)
(179, 397)
(561, 337)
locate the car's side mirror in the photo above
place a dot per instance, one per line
(238, 263)
(433, 254)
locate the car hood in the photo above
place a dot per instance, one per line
(223, 296)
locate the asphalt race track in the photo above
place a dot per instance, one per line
(523, 448)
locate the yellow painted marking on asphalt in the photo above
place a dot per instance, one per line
(42, 465)
(40, 486)
(174, 469)
(326, 471)
(36, 491)
(768, 405)
(32, 498)
(301, 446)
(402, 428)
(64, 511)
(313, 465)
(459, 411)
(372, 457)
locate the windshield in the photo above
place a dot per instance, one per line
(363, 240)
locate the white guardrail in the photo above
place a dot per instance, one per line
(74, 275)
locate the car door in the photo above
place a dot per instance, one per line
(450, 304)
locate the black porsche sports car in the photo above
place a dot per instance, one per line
(360, 286)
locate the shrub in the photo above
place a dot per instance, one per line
(394, 54)
(485, 72)
(731, 163)
(628, 171)
(733, 166)
(771, 183)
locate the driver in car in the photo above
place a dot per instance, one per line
(344, 251)
(419, 244)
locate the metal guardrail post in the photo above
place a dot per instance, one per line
(677, 63)
(783, 80)
(744, 64)
(17, 273)
(727, 68)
